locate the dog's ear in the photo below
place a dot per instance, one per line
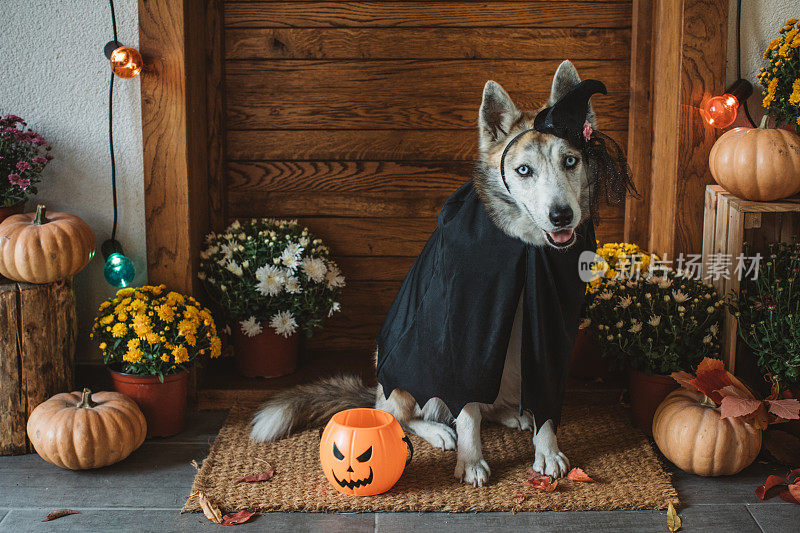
(496, 115)
(565, 79)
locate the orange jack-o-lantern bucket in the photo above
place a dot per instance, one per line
(363, 451)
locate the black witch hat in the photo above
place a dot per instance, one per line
(568, 119)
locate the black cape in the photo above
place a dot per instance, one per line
(447, 332)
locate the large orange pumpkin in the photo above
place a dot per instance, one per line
(363, 451)
(41, 248)
(757, 163)
(81, 430)
(689, 432)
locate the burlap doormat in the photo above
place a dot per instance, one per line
(595, 434)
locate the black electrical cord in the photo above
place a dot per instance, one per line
(111, 130)
(111, 151)
(739, 56)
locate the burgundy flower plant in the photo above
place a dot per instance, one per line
(23, 155)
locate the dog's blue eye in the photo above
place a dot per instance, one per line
(523, 170)
(571, 161)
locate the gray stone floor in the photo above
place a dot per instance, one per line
(146, 491)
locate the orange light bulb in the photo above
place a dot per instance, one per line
(126, 62)
(720, 111)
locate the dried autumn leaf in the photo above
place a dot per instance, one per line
(709, 364)
(772, 481)
(234, 519)
(733, 390)
(254, 478)
(208, 507)
(736, 407)
(673, 520)
(759, 419)
(518, 498)
(775, 391)
(788, 496)
(577, 474)
(684, 379)
(794, 490)
(788, 409)
(58, 513)
(533, 474)
(711, 381)
(542, 484)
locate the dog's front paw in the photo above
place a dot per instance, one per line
(512, 419)
(551, 463)
(436, 434)
(473, 473)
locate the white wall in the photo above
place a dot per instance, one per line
(761, 20)
(54, 75)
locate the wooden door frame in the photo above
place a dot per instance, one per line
(678, 59)
(183, 134)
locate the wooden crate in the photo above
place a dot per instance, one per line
(38, 328)
(729, 222)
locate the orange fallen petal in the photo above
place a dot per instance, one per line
(533, 474)
(577, 474)
(542, 484)
(787, 496)
(772, 481)
(234, 519)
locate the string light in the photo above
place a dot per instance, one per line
(119, 270)
(126, 62)
(721, 111)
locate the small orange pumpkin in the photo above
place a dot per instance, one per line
(81, 430)
(760, 164)
(689, 431)
(363, 451)
(42, 249)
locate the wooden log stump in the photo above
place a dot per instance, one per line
(38, 328)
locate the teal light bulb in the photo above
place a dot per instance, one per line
(119, 270)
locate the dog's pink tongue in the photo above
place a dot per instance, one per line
(561, 236)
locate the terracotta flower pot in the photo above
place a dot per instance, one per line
(15, 209)
(647, 392)
(586, 362)
(266, 355)
(163, 404)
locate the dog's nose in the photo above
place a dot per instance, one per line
(561, 215)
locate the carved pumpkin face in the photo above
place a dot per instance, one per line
(363, 451)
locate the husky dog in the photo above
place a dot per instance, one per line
(552, 197)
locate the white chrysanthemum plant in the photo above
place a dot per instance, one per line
(270, 273)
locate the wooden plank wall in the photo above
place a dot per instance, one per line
(358, 118)
(689, 51)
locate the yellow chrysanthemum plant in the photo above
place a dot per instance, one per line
(781, 79)
(619, 259)
(150, 331)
